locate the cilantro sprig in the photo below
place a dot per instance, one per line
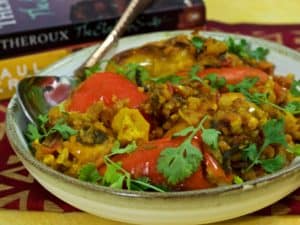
(173, 79)
(243, 49)
(115, 176)
(140, 75)
(244, 85)
(215, 81)
(40, 131)
(295, 88)
(90, 71)
(198, 43)
(256, 97)
(89, 172)
(178, 163)
(193, 74)
(293, 107)
(134, 72)
(273, 131)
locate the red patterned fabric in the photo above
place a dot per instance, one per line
(18, 190)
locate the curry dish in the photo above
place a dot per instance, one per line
(185, 113)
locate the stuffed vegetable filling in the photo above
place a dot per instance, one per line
(186, 113)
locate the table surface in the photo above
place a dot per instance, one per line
(233, 11)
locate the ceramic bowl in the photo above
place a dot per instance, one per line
(190, 207)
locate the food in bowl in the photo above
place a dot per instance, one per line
(179, 114)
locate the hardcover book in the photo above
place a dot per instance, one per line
(28, 26)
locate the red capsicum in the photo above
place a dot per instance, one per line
(105, 86)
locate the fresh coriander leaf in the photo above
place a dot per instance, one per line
(32, 133)
(135, 185)
(173, 79)
(63, 129)
(116, 177)
(90, 71)
(273, 165)
(116, 146)
(43, 119)
(193, 73)
(250, 153)
(134, 72)
(259, 53)
(119, 182)
(257, 98)
(198, 43)
(293, 107)
(215, 81)
(261, 98)
(176, 164)
(210, 137)
(113, 175)
(273, 131)
(116, 149)
(237, 180)
(143, 184)
(89, 173)
(243, 49)
(184, 132)
(295, 149)
(244, 85)
(295, 88)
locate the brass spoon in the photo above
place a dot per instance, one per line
(37, 94)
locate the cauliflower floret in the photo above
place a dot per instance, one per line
(130, 125)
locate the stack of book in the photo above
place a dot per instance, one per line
(36, 33)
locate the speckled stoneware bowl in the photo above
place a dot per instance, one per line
(191, 207)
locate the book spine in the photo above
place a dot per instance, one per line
(27, 43)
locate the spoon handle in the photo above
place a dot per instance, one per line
(133, 9)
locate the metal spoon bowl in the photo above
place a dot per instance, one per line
(38, 94)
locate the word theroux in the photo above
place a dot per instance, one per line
(34, 39)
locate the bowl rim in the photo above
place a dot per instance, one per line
(11, 127)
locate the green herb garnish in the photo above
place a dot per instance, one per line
(89, 173)
(115, 176)
(243, 49)
(273, 132)
(215, 81)
(237, 180)
(198, 43)
(295, 149)
(173, 79)
(256, 97)
(193, 74)
(90, 71)
(39, 132)
(244, 85)
(293, 107)
(178, 163)
(295, 88)
(134, 72)
(116, 149)
(274, 164)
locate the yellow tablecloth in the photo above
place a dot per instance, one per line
(254, 11)
(229, 11)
